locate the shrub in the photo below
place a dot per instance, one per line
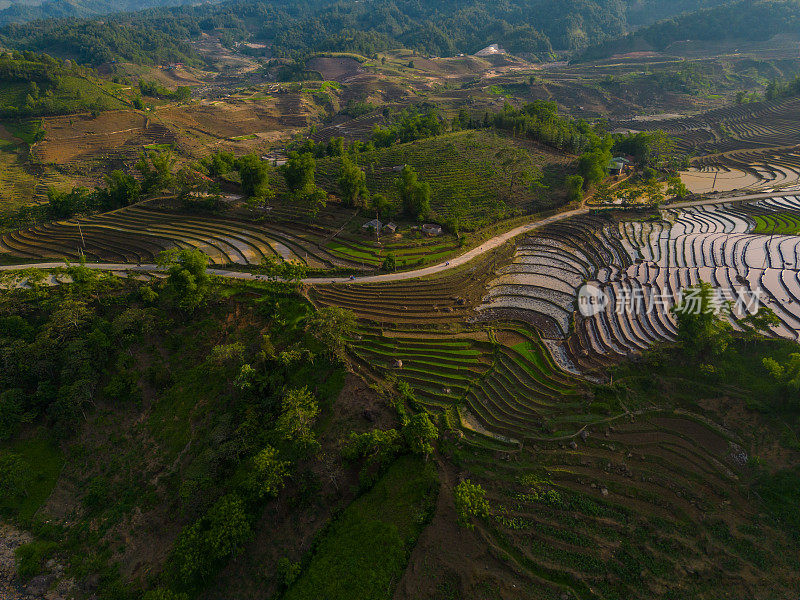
(575, 188)
(268, 473)
(287, 571)
(470, 500)
(31, 556)
(205, 545)
(15, 477)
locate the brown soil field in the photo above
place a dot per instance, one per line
(78, 138)
(269, 119)
(335, 69)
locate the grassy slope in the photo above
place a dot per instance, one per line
(460, 165)
(16, 185)
(364, 552)
(74, 94)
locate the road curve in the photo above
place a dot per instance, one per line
(462, 259)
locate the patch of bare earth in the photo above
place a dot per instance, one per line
(450, 561)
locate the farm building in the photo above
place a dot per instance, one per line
(430, 229)
(619, 165)
(390, 228)
(373, 225)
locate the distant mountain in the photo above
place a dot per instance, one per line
(293, 28)
(746, 20)
(22, 11)
(646, 12)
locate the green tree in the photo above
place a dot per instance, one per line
(574, 188)
(314, 200)
(380, 203)
(702, 333)
(299, 410)
(62, 205)
(187, 282)
(593, 165)
(416, 196)
(156, 167)
(333, 327)
(676, 188)
(121, 190)
(268, 474)
(389, 263)
(253, 172)
(352, 183)
(220, 163)
(470, 501)
(761, 322)
(299, 171)
(420, 434)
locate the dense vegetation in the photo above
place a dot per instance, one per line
(95, 42)
(531, 27)
(20, 12)
(36, 84)
(751, 20)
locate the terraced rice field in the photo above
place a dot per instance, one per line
(641, 267)
(138, 233)
(501, 386)
(780, 223)
(652, 508)
(756, 125)
(754, 146)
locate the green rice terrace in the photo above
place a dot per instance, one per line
(287, 315)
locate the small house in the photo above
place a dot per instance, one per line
(398, 168)
(373, 225)
(619, 165)
(431, 229)
(390, 228)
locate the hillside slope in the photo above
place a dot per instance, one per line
(746, 20)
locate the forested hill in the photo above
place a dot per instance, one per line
(293, 27)
(22, 12)
(751, 20)
(645, 12)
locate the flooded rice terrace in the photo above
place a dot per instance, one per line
(639, 267)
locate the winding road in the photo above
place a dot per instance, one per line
(460, 260)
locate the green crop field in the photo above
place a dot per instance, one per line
(778, 223)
